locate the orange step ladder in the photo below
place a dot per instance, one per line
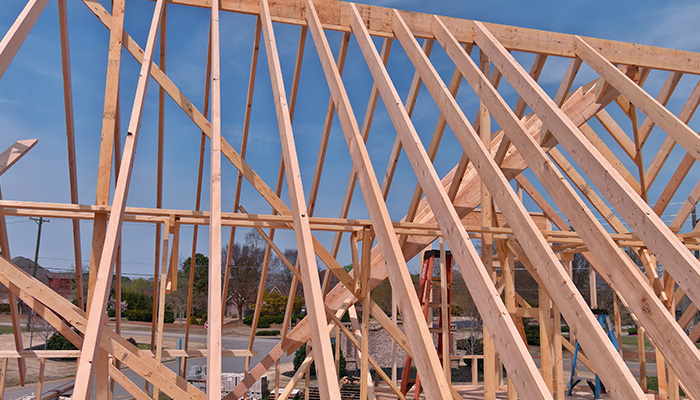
(430, 278)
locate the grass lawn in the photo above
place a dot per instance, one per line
(632, 341)
(4, 330)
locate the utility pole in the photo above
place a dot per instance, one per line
(40, 221)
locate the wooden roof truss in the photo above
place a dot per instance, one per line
(556, 140)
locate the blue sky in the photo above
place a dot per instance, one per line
(31, 106)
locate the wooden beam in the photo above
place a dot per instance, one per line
(492, 364)
(13, 156)
(110, 123)
(581, 105)
(663, 97)
(86, 365)
(214, 288)
(13, 153)
(353, 339)
(690, 202)
(557, 283)
(198, 201)
(617, 133)
(628, 282)
(663, 118)
(686, 113)
(13, 39)
(337, 16)
(162, 280)
(479, 282)
(70, 136)
(328, 384)
(366, 124)
(325, 134)
(587, 190)
(141, 362)
(420, 338)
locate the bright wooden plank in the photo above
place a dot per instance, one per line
(214, 294)
(30, 289)
(557, 283)
(663, 118)
(162, 281)
(337, 16)
(663, 97)
(70, 136)
(689, 108)
(86, 365)
(12, 300)
(479, 283)
(690, 202)
(13, 153)
(366, 124)
(617, 133)
(328, 384)
(418, 335)
(628, 282)
(581, 105)
(13, 39)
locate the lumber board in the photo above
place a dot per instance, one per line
(337, 15)
(421, 341)
(325, 367)
(663, 118)
(479, 283)
(98, 303)
(70, 139)
(558, 284)
(12, 154)
(13, 39)
(214, 304)
(639, 295)
(141, 362)
(582, 104)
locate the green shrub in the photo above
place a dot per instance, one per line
(300, 355)
(273, 332)
(532, 334)
(456, 309)
(346, 317)
(139, 315)
(58, 342)
(632, 331)
(264, 321)
(193, 320)
(168, 315)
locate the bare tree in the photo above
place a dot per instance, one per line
(279, 274)
(246, 266)
(178, 298)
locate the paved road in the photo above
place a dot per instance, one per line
(229, 364)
